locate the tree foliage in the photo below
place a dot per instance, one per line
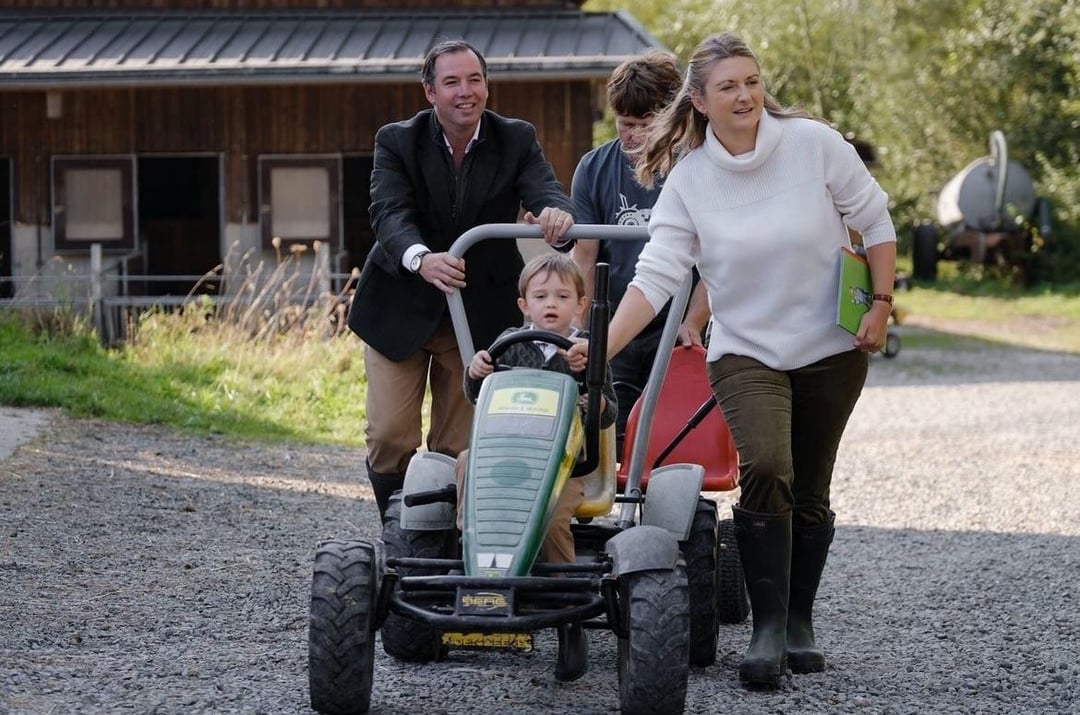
(924, 83)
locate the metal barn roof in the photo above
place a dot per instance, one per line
(109, 48)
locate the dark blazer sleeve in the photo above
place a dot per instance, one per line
(394, 311)
(395, 219)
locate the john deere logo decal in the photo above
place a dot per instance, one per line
(516, 401)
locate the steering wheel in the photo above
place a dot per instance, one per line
(503, 343)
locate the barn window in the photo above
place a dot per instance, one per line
(93, 202)
(300, 199)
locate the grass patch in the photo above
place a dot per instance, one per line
(276, 367)
(965, 299)
(203, 381)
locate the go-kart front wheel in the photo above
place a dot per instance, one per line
(654, 657)
(341, 632)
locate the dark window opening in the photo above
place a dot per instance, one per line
(356, 197)
(179, 223)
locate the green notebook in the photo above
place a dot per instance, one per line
(855, 289)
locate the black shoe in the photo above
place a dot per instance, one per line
(573, 653)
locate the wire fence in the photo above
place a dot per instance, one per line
(111, 298)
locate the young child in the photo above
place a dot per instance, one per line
(551, 295)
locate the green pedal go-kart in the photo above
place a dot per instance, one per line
(653, 574)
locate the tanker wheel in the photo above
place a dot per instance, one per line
(924, 253)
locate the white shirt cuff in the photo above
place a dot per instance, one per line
(410, 253)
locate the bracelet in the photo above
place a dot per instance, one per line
(883, 297)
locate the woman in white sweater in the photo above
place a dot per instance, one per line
(759, 198)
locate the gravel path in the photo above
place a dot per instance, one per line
(145, 571)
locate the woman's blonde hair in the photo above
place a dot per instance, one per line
(680, 128)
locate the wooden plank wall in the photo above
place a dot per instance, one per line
(244, 122)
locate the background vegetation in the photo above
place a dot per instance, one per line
(924, 82)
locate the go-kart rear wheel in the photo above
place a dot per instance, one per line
(404, 638)
(341, 632)
(654, 657)
(733, 601)
(701, 552)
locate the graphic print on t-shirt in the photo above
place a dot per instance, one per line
(628, 215)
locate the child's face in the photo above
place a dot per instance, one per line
(551, 303)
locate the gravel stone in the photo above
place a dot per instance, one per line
(147, 571)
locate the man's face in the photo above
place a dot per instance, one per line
(459, 93)
(632, 131)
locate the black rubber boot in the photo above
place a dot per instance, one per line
(765, 549)
(573, 652)
(809, 549)
(384, 485)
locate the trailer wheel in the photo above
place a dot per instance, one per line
(654, 657)
(404, 638)
(892, 345)
(341, 631)
(734, 601)
(701, 552)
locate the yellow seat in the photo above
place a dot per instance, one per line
(600, 483)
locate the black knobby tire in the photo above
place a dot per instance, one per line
(924, 253)
(341, 631)
(702, 555)
(404, 638)
(654, 660)
(733, 600)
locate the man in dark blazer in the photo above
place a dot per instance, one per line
(435, 176)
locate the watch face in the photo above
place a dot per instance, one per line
(414, 264)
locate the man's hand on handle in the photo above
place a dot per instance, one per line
(444, 271)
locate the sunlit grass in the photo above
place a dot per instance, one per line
(273, 368)
(964, 299)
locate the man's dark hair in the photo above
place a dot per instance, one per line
(447, 47)
(644, 85)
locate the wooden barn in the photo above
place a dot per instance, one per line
(173, 132)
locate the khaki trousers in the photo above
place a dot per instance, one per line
(787, 426)
(395, 400)
(558, 546)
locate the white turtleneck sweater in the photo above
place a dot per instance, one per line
(765, 230)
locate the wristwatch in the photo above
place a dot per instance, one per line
(414, 264)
